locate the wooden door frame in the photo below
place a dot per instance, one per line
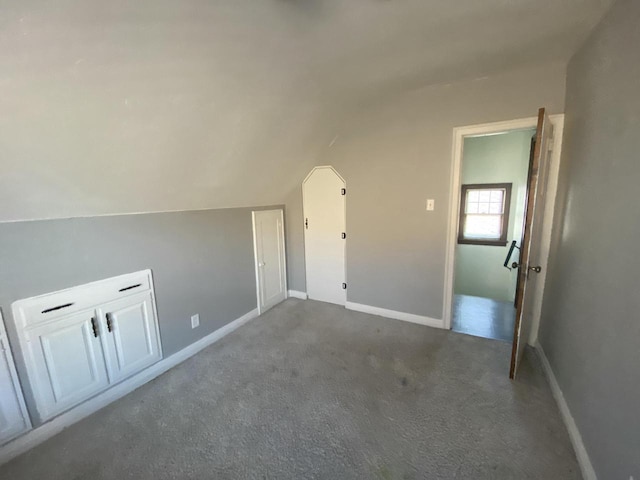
(304, 234)
(459, 134)
(261, 308)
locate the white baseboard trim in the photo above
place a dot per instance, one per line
(588, 473)
(383, 312)
(297, 294)
(55, 426)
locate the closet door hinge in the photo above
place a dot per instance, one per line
(343, 191)
(344, 286)
(343, 235)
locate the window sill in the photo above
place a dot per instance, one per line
(490, 243)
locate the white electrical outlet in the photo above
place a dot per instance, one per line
(431, 204)
(195, 320)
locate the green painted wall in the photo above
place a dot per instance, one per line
(494, 159)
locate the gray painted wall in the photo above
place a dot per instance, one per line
(126, 106)
(494, 159)
(590, 327)
(154, 105)
(202, 262)
(396, 154)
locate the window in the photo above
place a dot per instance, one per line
(484, 214)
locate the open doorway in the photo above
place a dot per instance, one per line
(493, 194)
(531, 262)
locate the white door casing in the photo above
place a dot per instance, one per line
(130, 338)
(270, 258)
(323, 194)
(459, 134)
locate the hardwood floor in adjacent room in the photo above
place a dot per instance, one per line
(483, 317)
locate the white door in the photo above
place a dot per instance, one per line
(13, 418)
(130, 335)
(268, 243)
(66, 362)
(323, 193)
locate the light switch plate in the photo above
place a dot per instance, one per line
(431, 204)
(195, 320)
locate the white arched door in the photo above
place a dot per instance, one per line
(324, 193)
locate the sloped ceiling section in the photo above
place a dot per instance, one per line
(120, 106)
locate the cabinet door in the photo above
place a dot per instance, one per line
(66, 362)
(13, 419)
(132, 341)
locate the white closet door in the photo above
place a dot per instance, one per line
(66, 362)
(324, 212)
(13, 417)
(130, 335)
(271, 274)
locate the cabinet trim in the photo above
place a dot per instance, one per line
(4, 345)
(40, 309)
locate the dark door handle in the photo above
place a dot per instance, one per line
(509, 253)
(94, 327)
(109, 325)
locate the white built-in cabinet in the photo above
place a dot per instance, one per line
(13, 413)
(78, 342)
(133, 343)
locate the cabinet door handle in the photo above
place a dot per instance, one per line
(109, 325)
(94, 327)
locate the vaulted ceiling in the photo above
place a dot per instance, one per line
(121, 106)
